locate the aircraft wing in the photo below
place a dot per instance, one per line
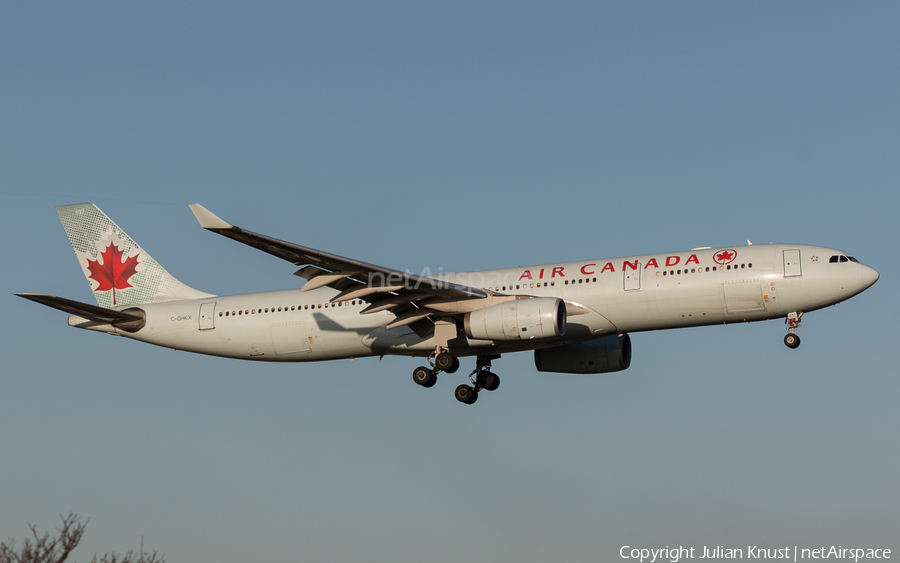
(386, 288)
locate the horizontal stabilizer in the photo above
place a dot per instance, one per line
(130, 320)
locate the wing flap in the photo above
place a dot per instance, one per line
(327, 279)
(410, 317)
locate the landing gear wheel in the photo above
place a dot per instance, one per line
(791, 340)
(454, 367)
(424, 377)
(445, 362)
(488, 381)
(466, 394)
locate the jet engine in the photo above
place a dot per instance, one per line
(520, 319)
(603, 355)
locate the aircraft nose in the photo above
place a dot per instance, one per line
(869, 276)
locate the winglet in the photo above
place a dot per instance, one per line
(208, 219)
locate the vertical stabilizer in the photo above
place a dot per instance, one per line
(119, 271)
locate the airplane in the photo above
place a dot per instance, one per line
(575, 316)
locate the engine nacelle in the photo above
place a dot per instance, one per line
(521, 319)
(604, 355)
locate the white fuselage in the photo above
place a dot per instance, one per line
(603, 297)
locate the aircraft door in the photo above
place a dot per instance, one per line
(792, 263)
(633, 278)
(208, 316)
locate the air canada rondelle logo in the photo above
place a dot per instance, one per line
(725, 257)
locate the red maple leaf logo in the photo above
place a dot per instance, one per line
(725, 257)
(114, 273)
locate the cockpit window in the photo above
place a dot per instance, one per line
(852, 259)
(833, 259)
(844, 259)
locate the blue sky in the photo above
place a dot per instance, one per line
(463, 136)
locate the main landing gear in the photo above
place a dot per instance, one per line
(791, 340)
(484, 379)
(443, 360)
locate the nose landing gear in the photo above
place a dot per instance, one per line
(791, 340)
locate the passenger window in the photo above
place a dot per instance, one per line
(664, 273)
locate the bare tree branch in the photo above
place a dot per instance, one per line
(46, 549)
